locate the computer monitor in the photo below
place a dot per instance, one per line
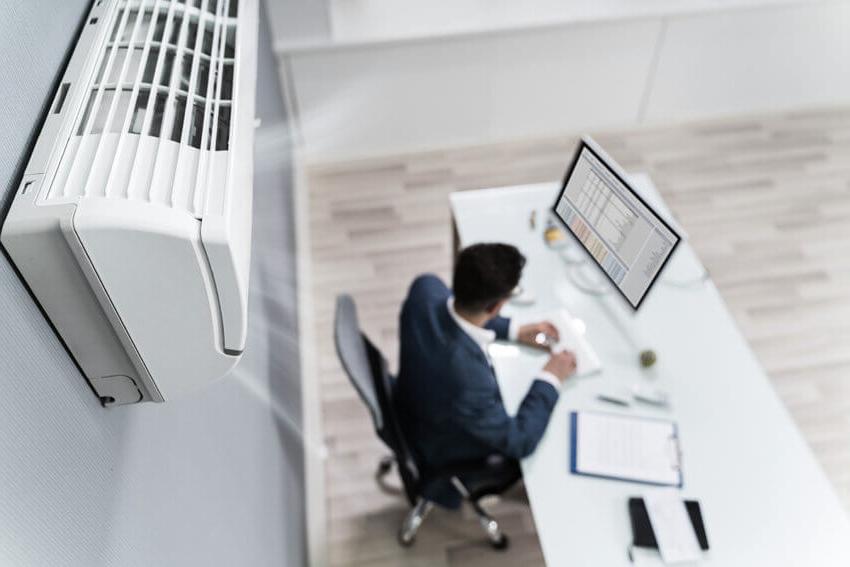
(616, 227)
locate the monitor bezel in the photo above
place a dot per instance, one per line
(581, 146)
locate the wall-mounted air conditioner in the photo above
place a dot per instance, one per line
(132, 224)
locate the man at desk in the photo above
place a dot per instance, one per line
(446, 392)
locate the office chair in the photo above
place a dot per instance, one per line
(367, 370)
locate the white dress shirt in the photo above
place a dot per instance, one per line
(484, 337)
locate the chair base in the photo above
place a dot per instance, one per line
(413, 520)
(406, 535)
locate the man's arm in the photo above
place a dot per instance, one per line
(509, 330)
(479, 411)
(503, 328)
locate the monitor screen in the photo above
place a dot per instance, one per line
(625, 237)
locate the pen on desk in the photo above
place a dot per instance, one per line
(612, 400)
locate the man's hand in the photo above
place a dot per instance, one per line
(562, 365)
(532, 334)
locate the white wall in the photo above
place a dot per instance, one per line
(362, 21)
(389, 95)
(214, 479)
(753, 61)
(299, 22)
(464, 90)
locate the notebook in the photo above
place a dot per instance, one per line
(644, 536)
(622, 447)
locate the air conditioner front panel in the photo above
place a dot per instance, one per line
(43, 244)
(155, 272)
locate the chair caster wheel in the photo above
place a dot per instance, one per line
(405, 540)
(410, 526)
(501, 544)
(385, 465)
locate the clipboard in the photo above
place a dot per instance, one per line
(625, 448)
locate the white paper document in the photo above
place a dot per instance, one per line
(674, 532)
(625, 448)
(571, 338)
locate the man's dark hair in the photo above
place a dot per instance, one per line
(485, 274)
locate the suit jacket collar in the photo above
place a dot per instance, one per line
(480, 336)
(457, 335)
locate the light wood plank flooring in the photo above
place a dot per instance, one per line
(766, 201)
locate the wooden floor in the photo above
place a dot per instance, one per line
(766, 203)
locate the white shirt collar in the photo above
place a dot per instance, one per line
(482, 337)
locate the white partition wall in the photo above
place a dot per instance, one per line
(382, 99)
(354, 94)
(753, 61)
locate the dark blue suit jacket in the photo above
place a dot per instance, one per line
(447, 396)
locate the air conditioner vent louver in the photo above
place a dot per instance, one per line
(132, 224)
(166, 72)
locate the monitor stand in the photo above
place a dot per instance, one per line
(589, 280)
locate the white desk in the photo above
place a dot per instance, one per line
(765, 500)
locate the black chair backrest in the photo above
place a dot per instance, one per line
(367, 370)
